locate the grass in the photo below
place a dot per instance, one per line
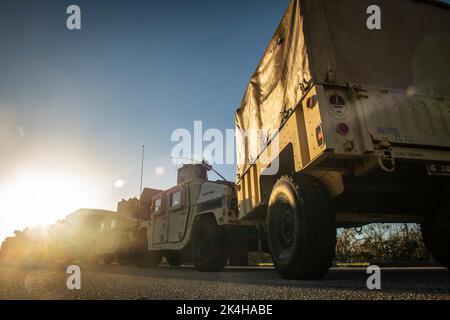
(352, 264)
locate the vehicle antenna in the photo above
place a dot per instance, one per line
(142, 170)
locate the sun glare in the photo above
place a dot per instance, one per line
(119, 183)
(34, 199)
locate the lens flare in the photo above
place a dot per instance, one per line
(160, 171)
(119, 183)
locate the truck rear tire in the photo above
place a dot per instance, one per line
(149, 259)
(436, 235)
(301, 228)
(174, 259)
(144, 257)
(209, 246)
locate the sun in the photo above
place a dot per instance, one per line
(41, 199)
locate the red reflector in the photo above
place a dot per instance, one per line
(311, 102)
(320, 136)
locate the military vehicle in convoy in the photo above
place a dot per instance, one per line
(10, 248)
(119, 234)
(355, 127)
(195, 221)
(74, 238)
(70, 239)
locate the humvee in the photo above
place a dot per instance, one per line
(195, 221)
(355, 127)
(119, 233)
(70, 239)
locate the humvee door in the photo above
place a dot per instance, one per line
(178, 213)
(159, 219)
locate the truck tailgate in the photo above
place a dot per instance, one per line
(407, 120)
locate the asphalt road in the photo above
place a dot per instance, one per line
(119, 282)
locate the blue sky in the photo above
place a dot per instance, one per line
(83, 102)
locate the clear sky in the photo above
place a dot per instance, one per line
(76, 106)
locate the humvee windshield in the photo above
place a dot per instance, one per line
(157, 205)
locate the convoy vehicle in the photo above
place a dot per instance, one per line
(355, 125)
(195, 221)
(74, 238)
(9, 249)
(119, 234)
(70, 239)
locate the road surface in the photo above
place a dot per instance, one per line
(119, 282)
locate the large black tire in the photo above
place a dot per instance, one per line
(123, 260)
(209, 245)
(108, 258)
(301, 228)
(436, 235)
(174, 259)
(149, 259)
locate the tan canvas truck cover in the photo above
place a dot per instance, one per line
(327, 41)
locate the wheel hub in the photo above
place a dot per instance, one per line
(287, 228)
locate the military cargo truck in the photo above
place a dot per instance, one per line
(195, 221)
(353, 127)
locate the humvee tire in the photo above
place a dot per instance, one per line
(144, 257)
(174, 259)
(301, 228)
(209, 245)
(436, 235)
(123, 260)
(149, 259)
(108, 258)
(94, 259)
